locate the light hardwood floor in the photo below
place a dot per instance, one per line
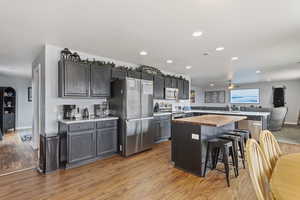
(148, 175)
(15, 155)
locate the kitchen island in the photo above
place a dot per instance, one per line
(190, 135)
(258, 119)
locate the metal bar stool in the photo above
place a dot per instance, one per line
(214, 147)
(247, 133)
(239, 141)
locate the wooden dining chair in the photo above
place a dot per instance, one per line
(259, 170)
(270, 147)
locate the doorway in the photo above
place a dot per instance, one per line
(17, 150)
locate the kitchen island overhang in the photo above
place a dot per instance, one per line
(190, 135)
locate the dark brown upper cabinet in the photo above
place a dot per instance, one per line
(118, 73)
(134, 74)
(100, 80)
(147, 76)
(158, 87)
(186, 89)
(174, 82)
(180, 83)
(74, 79)
(168, 82)
(83, 80)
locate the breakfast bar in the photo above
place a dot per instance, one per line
(190, 135)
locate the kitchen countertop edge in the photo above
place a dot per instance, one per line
(87, 120)
(249, 113)
(162, 114)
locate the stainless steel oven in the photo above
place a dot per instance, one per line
(171, 93)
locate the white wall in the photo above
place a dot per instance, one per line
(52, 101)
(24, 108)
(292, 96)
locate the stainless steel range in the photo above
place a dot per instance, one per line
(132, 101)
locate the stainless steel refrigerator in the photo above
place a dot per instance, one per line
(132, 101)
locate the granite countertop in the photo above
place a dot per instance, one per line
(210, 120)
(230, 112)
(87, 120)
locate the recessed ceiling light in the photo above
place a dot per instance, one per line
(197, 34)
(188, 67)
(220, 48)
(258, 71)
(143, 53)
(212, 84)
(234, 58)
(169, 61)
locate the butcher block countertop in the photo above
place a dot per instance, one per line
(210, 120)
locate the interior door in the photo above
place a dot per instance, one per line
(146, 98)
(133, 98)
(147, 133)
(133, 134)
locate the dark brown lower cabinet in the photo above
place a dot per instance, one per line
(162, 127)
(81, 146)
(106, 141)
(85, 142)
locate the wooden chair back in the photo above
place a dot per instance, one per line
(259, 170)
(270, 147)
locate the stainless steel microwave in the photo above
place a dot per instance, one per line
(171, 93)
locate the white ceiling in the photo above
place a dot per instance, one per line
(264, 34)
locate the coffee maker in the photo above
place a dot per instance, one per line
(68, 111)
(101, 110)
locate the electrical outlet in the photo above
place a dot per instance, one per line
(195, 136)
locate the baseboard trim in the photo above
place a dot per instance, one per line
(291, 123)
(23, 128)
(17, 171)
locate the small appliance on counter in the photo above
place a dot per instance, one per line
(85, 113)
(69, 112)
(101, 110)
(156, 108)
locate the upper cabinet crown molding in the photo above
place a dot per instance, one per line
(91, 79)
